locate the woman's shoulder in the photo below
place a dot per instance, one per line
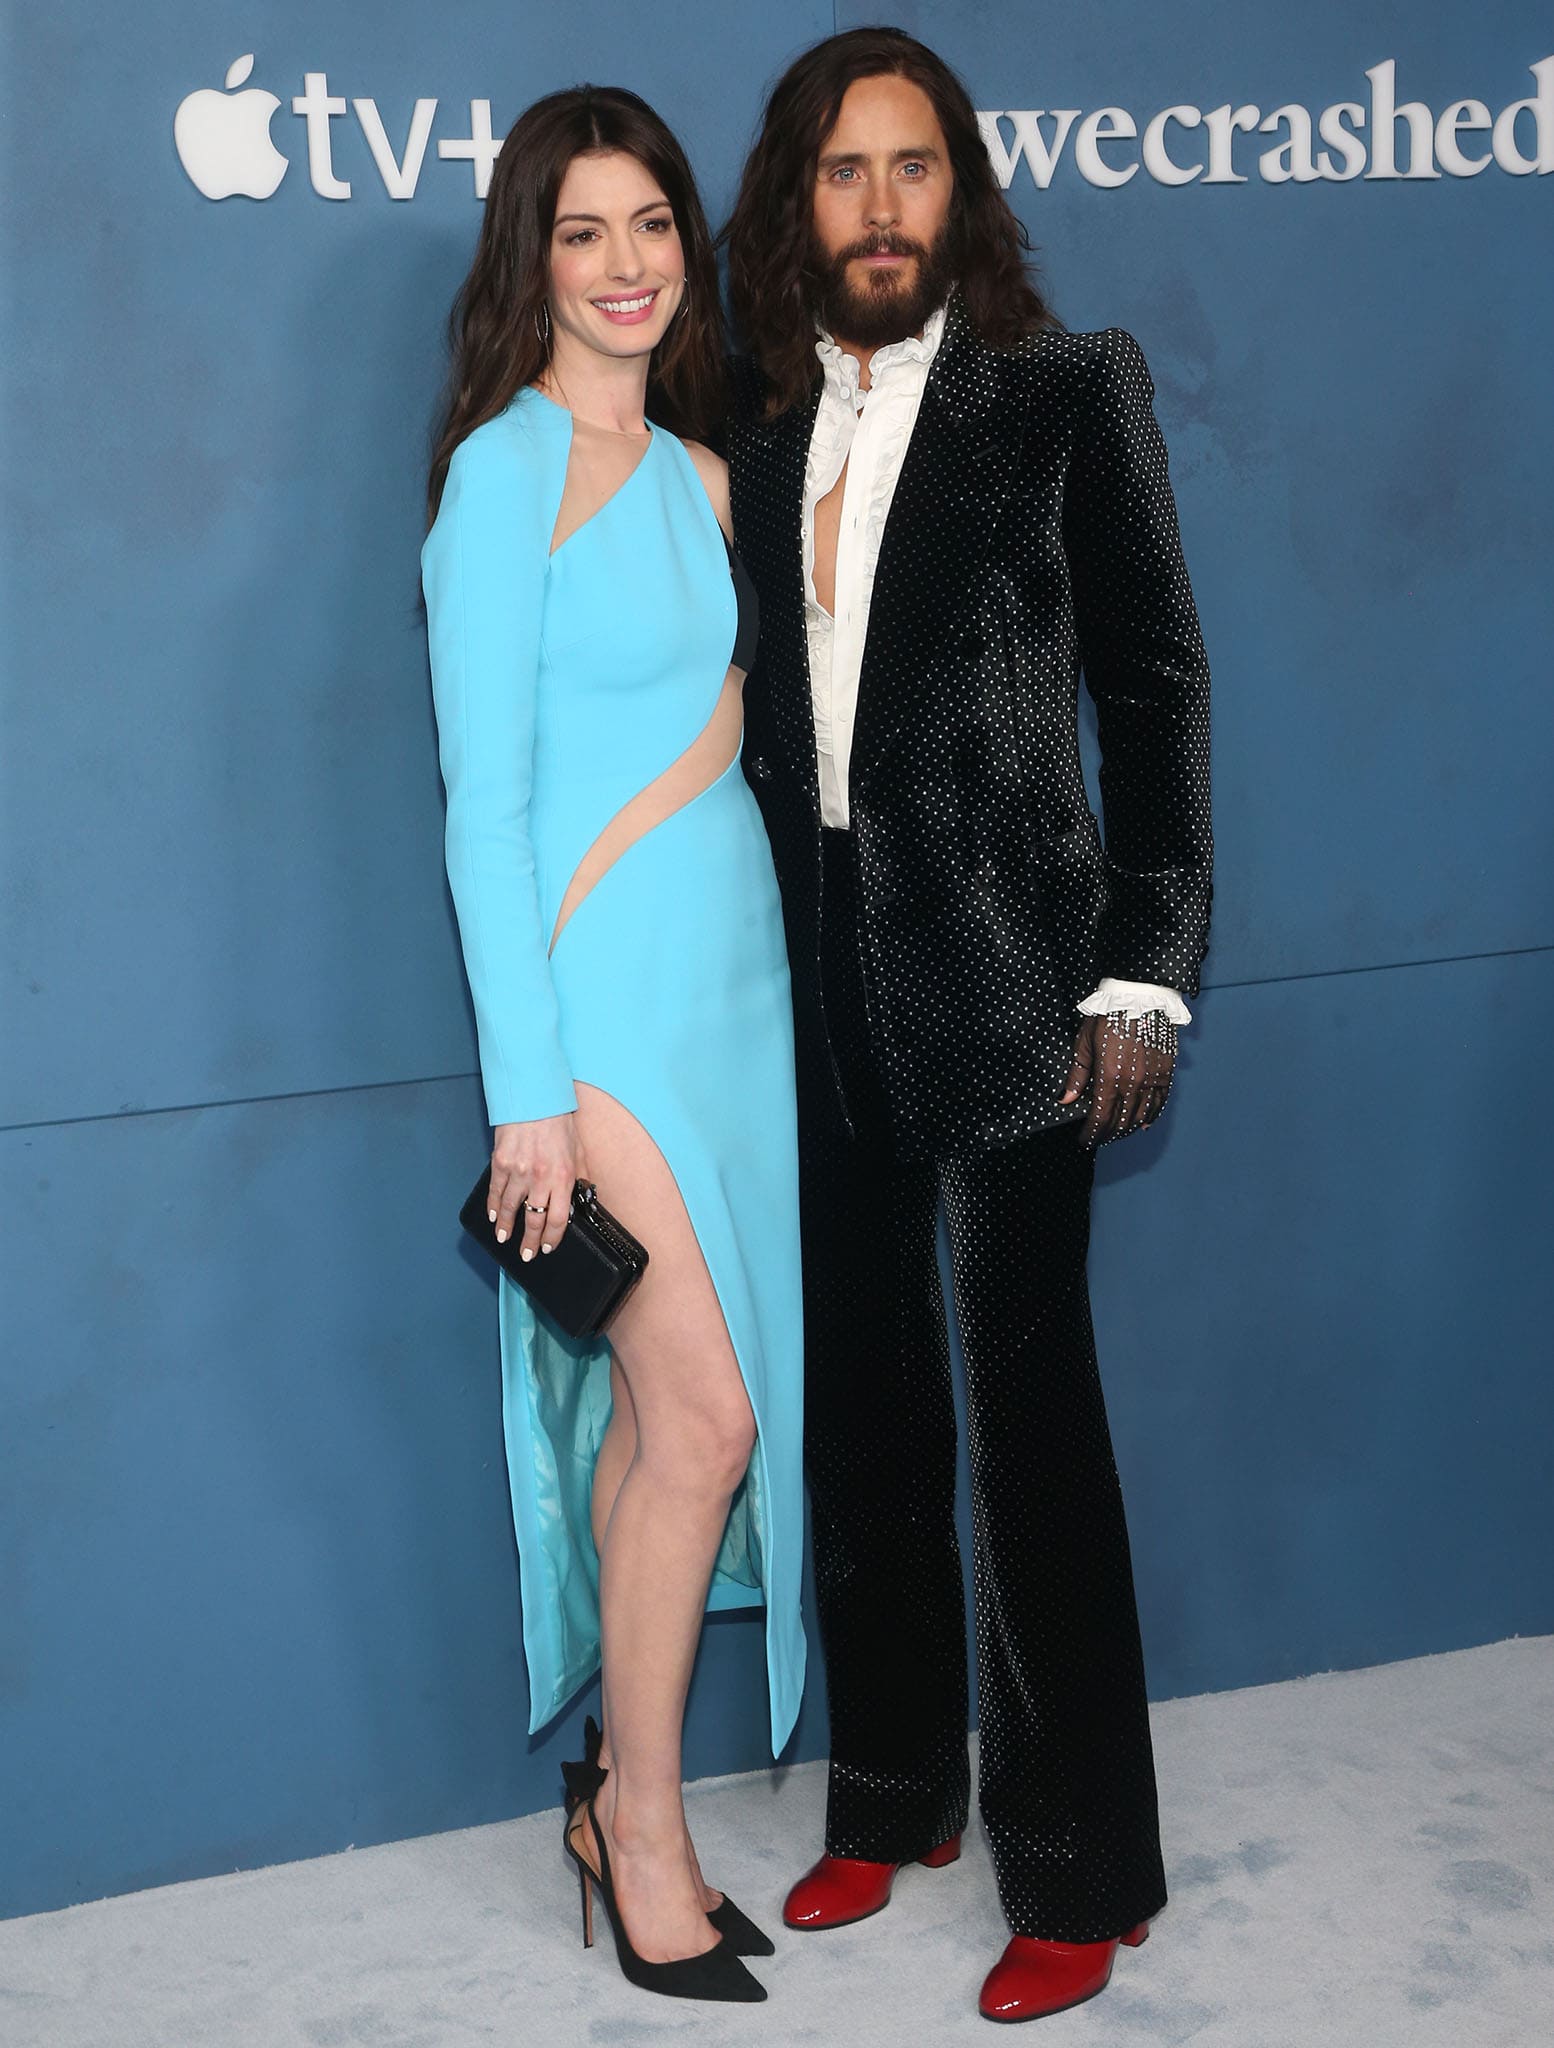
(529, 432)
(713, 471)
(515, 460)
(710, 465)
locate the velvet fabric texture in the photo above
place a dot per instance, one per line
(938, 951)
(1033, 533)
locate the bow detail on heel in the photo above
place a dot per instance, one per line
(583, 1780)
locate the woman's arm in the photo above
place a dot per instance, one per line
(483, 571)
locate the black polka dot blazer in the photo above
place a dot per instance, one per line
(1032, 536)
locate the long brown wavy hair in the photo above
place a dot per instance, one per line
(494, 330)
(774, 284)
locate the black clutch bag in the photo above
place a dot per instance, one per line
(580, 1284)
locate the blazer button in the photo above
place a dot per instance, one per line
(761, 769)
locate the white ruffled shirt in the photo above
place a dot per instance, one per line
(868, 431)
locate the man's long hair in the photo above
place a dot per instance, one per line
(774, 279)
(499, 341)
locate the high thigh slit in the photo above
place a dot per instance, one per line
(638, 873)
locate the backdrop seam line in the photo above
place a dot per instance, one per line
(1380, 967)
(109, 1116)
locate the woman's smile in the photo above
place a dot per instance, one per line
(628, 311)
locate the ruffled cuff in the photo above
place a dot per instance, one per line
(1135, 999)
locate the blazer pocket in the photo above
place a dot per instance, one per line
(1077, 849)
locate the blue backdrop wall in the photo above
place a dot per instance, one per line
(257, 1587)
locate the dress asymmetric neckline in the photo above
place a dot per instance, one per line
(624, 485)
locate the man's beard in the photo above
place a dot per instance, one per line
(885, 309)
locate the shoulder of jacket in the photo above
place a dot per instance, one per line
(1094, 366)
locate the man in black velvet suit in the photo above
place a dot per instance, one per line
(951, 508)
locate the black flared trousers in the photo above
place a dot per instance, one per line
(1066, 1778)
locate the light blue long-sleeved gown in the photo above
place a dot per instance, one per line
(564, 684)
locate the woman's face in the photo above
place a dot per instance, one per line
(617, 269)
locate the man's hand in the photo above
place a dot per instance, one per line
(1127, 1067)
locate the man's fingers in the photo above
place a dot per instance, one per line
(1138, 1106)
(1164, 1074)
(1116, 1057)
(1149, 1098)
(1103, 1101)
(1122, 1118)
(1159, 1084)
(1079, 1072)
(1154, 1087)
(1078, 1075)
(1127, 1067)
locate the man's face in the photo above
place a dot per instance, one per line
(880, 233)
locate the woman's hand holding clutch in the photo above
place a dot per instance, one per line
(535, 1167)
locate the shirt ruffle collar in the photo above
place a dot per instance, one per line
(843, 371)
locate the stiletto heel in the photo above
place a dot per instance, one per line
(588, 1906)
(716, 1974)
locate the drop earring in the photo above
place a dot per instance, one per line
(543, 332)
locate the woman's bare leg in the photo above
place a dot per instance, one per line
(614, 1460)
(693, 1434)
(615, 1453)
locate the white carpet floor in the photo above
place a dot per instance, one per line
(1362, 1859)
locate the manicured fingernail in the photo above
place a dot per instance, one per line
(527, 1253)
(501, 1236)
(547, 1247)
(491, 1215)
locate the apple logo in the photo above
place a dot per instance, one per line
(223, 138)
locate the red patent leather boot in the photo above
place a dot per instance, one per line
(1032, 1978)
(841, 1889)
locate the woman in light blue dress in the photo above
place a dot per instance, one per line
(589, 630)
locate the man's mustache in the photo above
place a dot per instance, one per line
(882, 245)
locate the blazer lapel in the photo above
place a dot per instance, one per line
(955, 481)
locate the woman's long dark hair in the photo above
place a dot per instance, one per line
(774, 288)
(494, 329)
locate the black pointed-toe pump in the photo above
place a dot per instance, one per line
(736, 1928)
(740, 1932)
(718, 1973)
